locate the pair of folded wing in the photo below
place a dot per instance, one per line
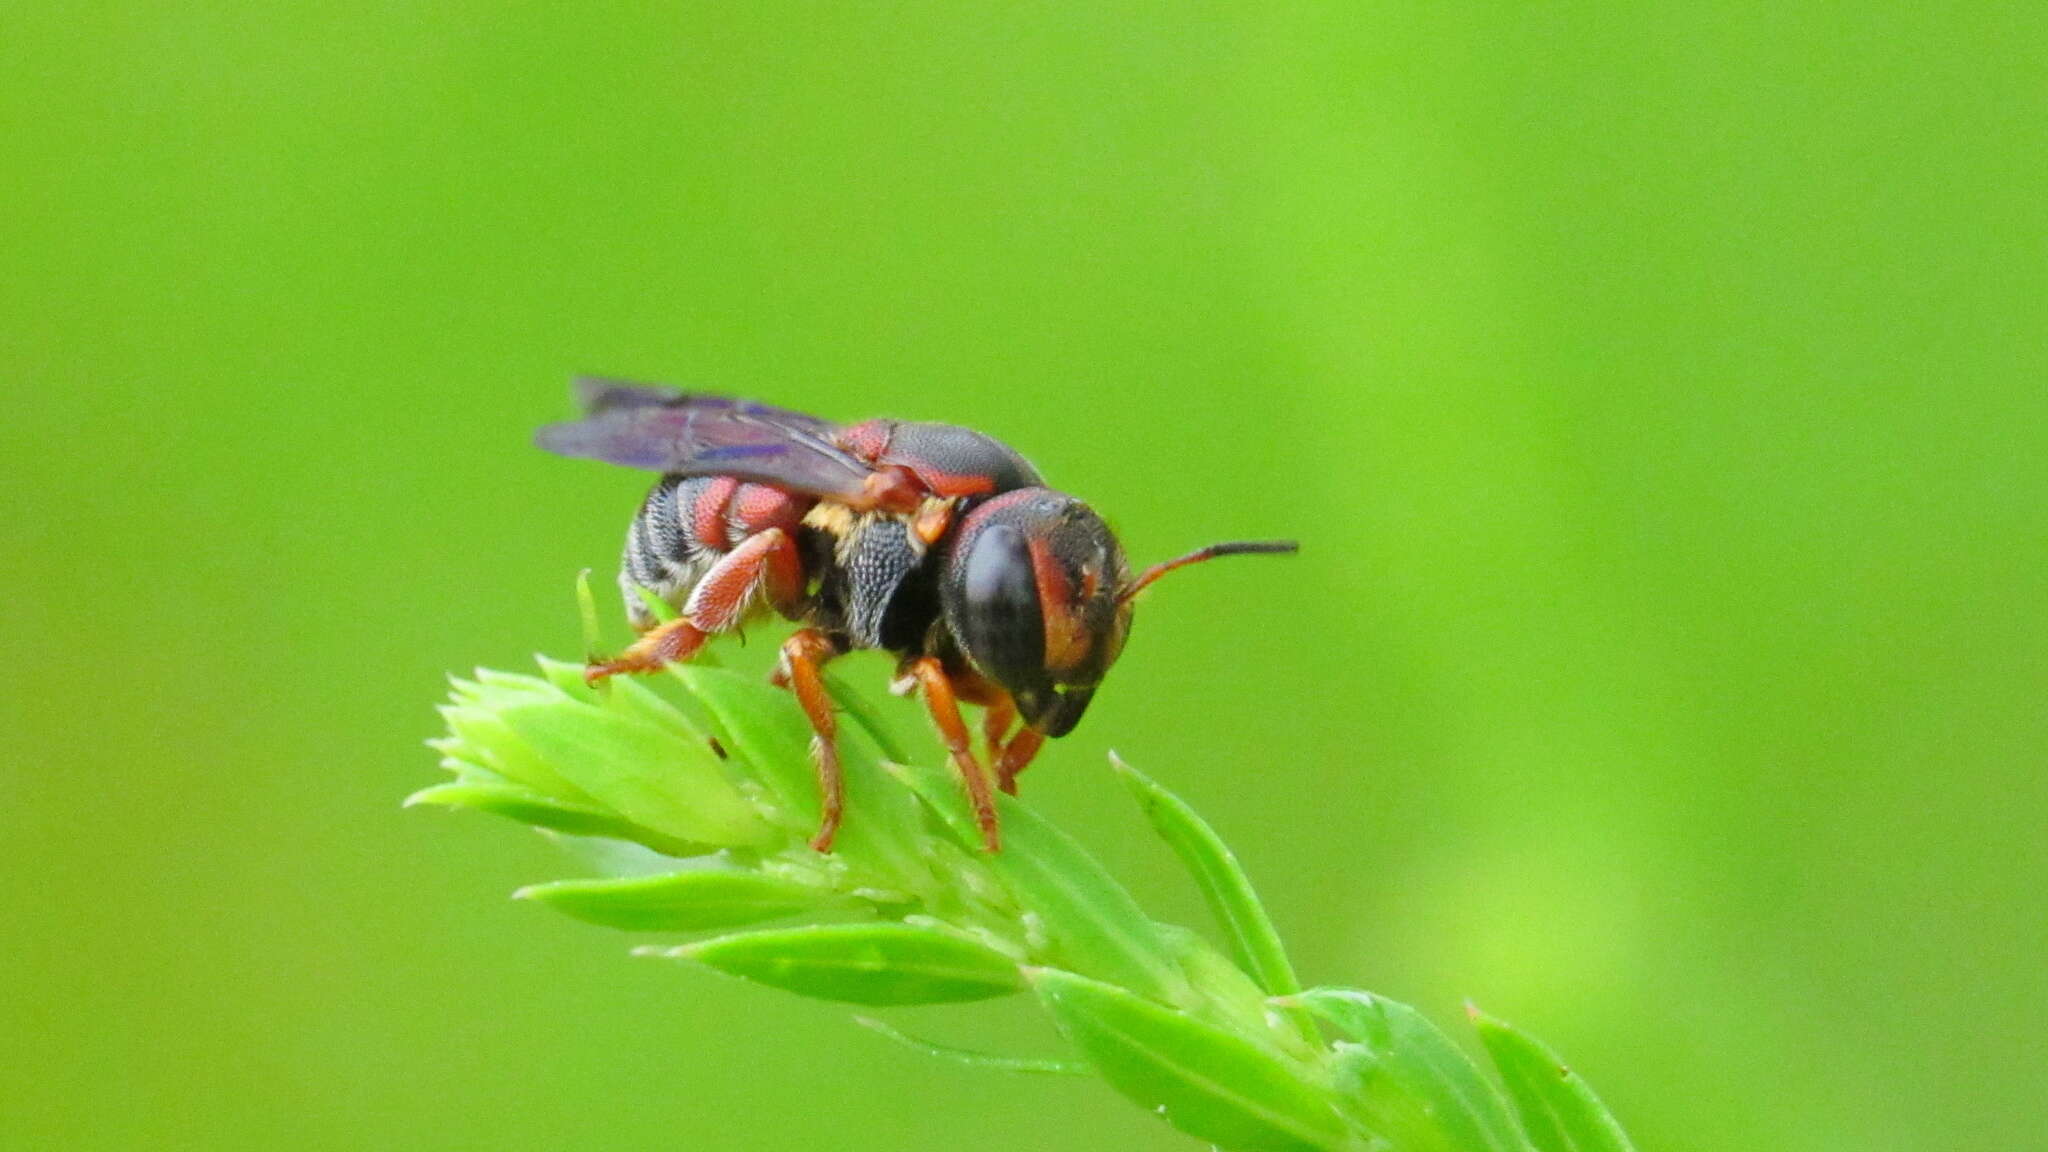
(694, 434)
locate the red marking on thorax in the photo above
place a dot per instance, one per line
(950, 483)
(867, 439)
(893, 489)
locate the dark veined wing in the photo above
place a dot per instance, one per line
(599, 394)
(595, 394)
(690, 434)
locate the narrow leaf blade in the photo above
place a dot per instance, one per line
(1254, 942)
(696, 900)
(1203, 1080)
(1558, 1109)
(547, 812)
(876, 964)
(1406, 1080)
(1091, 924)
(1225, 887)
(881, 831)
(1033, 1065)
(586, 614)
(646, 773)
(477, 733)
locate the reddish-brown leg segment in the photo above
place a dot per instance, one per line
(995, 724)
(802, 656)
(766, 560)
(677, 639)
(945, 710)
(1017, 755)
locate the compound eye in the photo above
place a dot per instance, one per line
(1004, 626)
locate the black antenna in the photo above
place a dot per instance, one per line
(1228, 548)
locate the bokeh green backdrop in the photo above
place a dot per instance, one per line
(1660, 392)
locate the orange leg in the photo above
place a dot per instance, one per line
(945, 710)
(1017, 756)
(678, 639)
(803, 654)
(766, 560)
(995, 724)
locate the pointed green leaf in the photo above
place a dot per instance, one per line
(880, 964)
(586, 613)
(1254, 942)
(634, 698)
(1558, 1109)
(479, 734)
(510, 687)
(1034, 1065)
(1404, 1079)
(1226, 997)
(1090, 923)
(547, 812)
(1205, 1081)
(695, 900)
(660, 609)
(646, 773)
(767, 731)
(566, 677)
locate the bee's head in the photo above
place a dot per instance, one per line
(1037, 595)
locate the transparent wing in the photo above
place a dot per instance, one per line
(693, 434)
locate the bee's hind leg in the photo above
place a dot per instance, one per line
(677, 639)
(766, 562)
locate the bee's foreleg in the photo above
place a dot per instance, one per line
(803, 655)
(1017, 756)
(944, 706)
(1007, 754)
(995, 724)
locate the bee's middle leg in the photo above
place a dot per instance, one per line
(803, 656)
(1017, 756)
(766, 562)
(996, 722)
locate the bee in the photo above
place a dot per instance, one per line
(933, 542)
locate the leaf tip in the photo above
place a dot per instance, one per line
(1484, 1021)
(423, 796)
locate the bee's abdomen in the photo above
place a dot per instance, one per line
(659, 550)
(685, 525)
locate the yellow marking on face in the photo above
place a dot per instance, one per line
(1067, 640)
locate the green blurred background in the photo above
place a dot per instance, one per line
(1659, 390)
